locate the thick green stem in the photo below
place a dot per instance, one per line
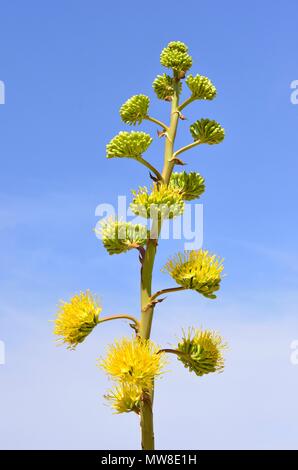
(147, 422)
(146, 283)
(147, 270)
(145, 329)
(169, 146)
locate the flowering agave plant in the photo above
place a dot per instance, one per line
(135, 362)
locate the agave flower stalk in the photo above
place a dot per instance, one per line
(134, 363)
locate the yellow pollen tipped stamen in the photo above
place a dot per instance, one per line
(76, 319)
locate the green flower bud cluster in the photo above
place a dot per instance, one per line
(189, 185)
(164, 88)
(201, 87)
(177, 45)
(128, 144)
(197, 270)
(201, 351)
(119, 237)
(162, 203)
(175, 57)
(207, 131)
(135, 109)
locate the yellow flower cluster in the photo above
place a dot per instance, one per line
(76, 319)
(197, 270)
(125, 397)
(133, 364)
(162, 203)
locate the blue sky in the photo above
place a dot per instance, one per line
(67, 68)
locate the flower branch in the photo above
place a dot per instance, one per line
(186, 103)
(166, 291)
(136, 324)
(158, 122)
(171, 351)
(185, 148)
(149, 166)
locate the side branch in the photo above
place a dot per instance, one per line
(166, 291)
(135, 325)
(151, 167)
(184, 149)
(172, 351)
(185, 103)
(158, 122)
